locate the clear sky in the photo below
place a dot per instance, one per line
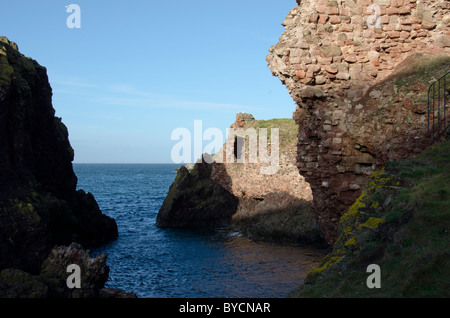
(136, 70)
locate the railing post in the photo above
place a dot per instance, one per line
(428, 115)
(432, 114)
(434, 133)
(445, 102)
(439, 106)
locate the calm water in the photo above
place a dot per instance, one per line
(153, 262)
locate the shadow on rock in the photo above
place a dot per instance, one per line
(194, 199)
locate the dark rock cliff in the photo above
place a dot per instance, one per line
(194, 199)
(39, 204)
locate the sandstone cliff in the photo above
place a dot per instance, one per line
(263, 206)
(39, 204)
(359, 75)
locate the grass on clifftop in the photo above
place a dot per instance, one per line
(288, 129)
(401, 223)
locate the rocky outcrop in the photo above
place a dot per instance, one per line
(358, 72)
(194, 199)
(267, 206)
(39, 204)
(52, 279)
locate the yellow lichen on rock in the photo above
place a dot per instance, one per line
(350, 242)
(372, 223)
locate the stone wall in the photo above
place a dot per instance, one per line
(246, 180)
(274, 206)
(358, 74)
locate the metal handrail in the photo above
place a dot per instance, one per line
(433, 132)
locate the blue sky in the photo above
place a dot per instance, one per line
(137, 70)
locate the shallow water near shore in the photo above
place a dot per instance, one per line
(178, 263)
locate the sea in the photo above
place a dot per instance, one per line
(183, 263)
